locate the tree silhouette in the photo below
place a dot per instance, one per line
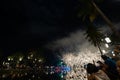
(94, 35)
(90, 9)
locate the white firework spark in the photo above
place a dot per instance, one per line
(76, 52)
(77, 63)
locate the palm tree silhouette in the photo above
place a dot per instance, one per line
(90, 8)
(94, 35)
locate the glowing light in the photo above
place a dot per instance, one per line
(106, 45)
(9, 59)
(39, 60)
(61, 76)
(107, 39)
(28, 57)
(21, 58)
(31, 55)
(113, 54)
(103, 51)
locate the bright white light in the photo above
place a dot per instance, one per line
(106, 45)
(107, 39)
(103, 51)
(61, 76)
(39, 60)
(28, 57)
(21, 58)
(8, 59)
(113, 54)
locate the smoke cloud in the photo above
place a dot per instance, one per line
(76, 51)
(76, 42)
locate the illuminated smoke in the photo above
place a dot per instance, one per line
(76, 52)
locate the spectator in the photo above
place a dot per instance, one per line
(111, 63)
(95, 74)
(112, 69)
(102, 66)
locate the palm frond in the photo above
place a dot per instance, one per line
(93, 34)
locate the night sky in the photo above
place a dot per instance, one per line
(34, 23)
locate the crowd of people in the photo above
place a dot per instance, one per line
(108, 69)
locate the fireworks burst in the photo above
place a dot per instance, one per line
(78, 62)
(76, 52)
